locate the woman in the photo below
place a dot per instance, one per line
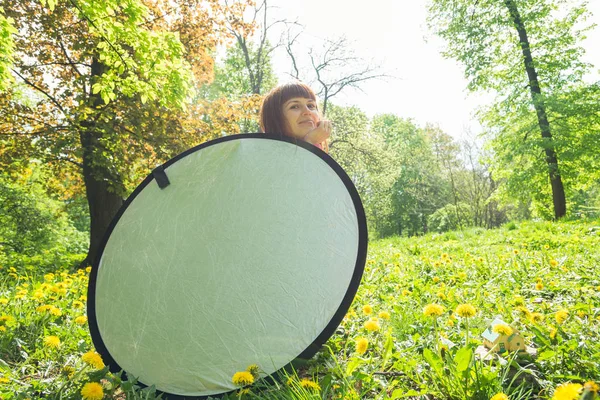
(292, 109)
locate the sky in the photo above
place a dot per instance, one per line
(393, 33)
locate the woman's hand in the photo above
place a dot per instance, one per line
(320, 133)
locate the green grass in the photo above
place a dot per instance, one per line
(524, 273)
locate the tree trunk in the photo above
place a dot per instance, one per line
(102, 201)
(558, 191)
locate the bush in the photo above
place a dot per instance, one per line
(450, 217)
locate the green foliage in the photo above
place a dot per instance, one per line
(450, 217)
(35, 231)
(483, 38)
(6, 49)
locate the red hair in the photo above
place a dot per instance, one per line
(271, 111)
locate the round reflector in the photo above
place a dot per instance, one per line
(244, 250)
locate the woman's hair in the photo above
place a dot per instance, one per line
(271, 112)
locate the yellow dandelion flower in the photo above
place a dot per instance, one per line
(433, 310)
(524, 311)
(244, 391)
(567, 391)
(7, 319)
(52, 341)
(367, 309)
(407, 292)
(539, 286)
(361, 345)
(462, 275)
(372, 325)
(515, 251)
(81, 320)
(445, 255)
(441, 295)
(12, 269)
(254, 370)
(465, 311)
(93, 359)
(436, 279)
(480, 259)
(553, 332)
(561, 316)
(77, 304)
(554, 263)
(68, 371)
(536, 317)
(92, 391)
(3, 301)
(4, 380)
(308, 384)
(55, 311)
(49, 277)
(591, 386)
(384, 315)
(581, 314)
(2, 328)
(242, 378)
(503, 329)
(499, 396)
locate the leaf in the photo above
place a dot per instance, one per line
(399, 394)
(463, 358)
(352, 365)
(433, 360)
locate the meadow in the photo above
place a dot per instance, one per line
(414, 330)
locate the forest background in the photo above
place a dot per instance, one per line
(95, 94)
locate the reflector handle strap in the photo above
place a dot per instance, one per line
(161, 177)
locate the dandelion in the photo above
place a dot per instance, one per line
(3, 301)
(554, 263)
(524, 311)
(372, 325)
(436, 279)
(308, 384)
(553, 333)
(591, 386)
(407, 292)
(55, 311)
(561, 316)
(433, 310)
(254, 370)
(77, 304)
(515, 251)
(465, 310)
(244, 391)
(81, 320)
(52, 341)
(539, 286)
(536, 317)
(441, 295)
(384, 315)
(92, 391)
(93, 359)
(367, 309)
(4, 380)
(242, 378)
(361, 345)
(499, 396)
(567, 391)
(2, 328)
(503, 329)
(462, 275)
(49, 277)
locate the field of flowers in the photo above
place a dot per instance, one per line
(414, 330)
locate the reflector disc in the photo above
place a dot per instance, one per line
(250, 253)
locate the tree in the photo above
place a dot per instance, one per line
(527, 53)
(334, 67)
(6, 49)
(419, 187)
(94, 79)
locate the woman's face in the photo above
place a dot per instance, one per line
(301, 116)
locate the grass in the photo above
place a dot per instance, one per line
(541, 278)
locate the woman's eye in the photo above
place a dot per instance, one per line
(311, 106)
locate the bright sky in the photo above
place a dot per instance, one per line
(426, 87)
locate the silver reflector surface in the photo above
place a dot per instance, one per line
(250, 254)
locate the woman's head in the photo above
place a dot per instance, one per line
(290, 109)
